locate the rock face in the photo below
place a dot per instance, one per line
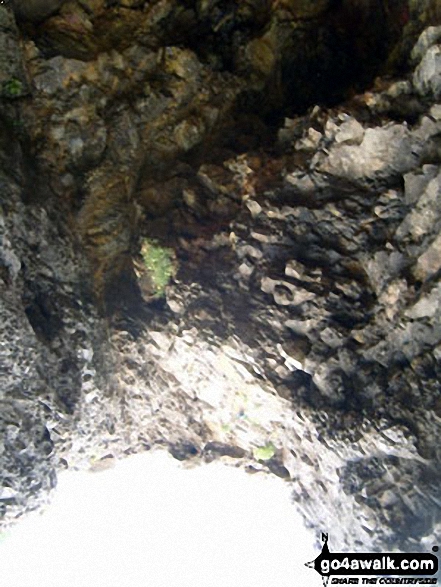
(301, 332)
(35, 10)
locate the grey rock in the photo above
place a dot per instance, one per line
(425, 217)
(429, 263)
(313, 320)
(309, 142)
(35, 10)
(383, 268)
(435, 112)
(13, 79)
(427, 76)
(383, 152)
(431, 36)
(428, 306)
(350, 132)
(415, 183)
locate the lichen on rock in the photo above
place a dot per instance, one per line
(159, 267)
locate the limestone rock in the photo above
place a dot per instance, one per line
(427, 77)
(431, 36)
(382, 152)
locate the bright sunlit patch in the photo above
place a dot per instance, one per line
(150, 523)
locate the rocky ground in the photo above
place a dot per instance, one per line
(300, 331)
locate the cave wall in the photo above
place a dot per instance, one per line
(291, 161)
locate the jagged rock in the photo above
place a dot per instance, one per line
(302, 324)
(427, 77)
(383, 152)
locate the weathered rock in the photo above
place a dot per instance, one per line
(431, 36)
(382, 152)
(35, 10)
(13, 80)
(301, 333)
(427, 78)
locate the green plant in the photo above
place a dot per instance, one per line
(159, 263)
(264, 453)
(13, 87)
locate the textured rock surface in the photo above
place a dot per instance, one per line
(35, 10)
(301, 335)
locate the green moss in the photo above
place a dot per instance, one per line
(264, 453)
(159, 262)
(13, 88)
